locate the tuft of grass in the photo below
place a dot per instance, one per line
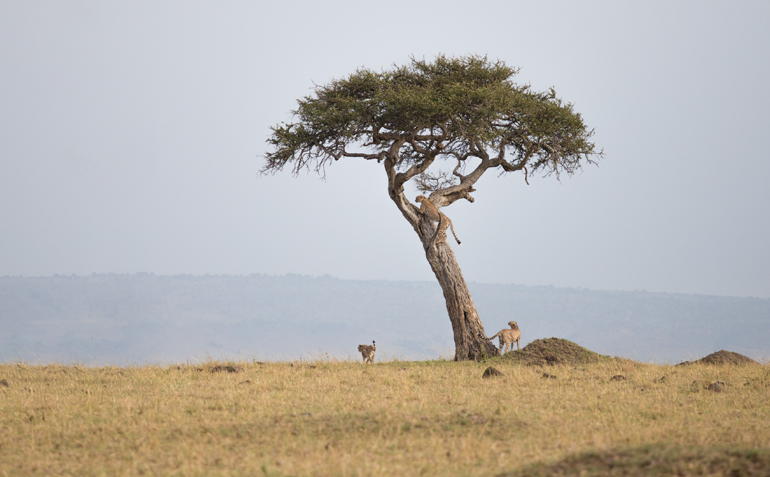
(392, 418)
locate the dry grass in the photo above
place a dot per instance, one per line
(394, 418)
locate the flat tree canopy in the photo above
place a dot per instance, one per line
(463, 116)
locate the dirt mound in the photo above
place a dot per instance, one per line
(553, 351)
(722, 357)
(655, 459)
(491, 372)
(229, 369)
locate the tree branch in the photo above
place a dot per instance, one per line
(457, 168)
(396, 189)
(379, 156)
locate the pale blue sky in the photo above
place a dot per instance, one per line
(130, 136)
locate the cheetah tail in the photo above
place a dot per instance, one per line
(453, 233)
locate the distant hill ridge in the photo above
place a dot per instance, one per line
(143, 318)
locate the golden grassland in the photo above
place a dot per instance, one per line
(346, 418)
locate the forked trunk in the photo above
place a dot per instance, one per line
(469, 334)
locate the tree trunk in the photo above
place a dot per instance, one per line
(469, 334)
(471, 341)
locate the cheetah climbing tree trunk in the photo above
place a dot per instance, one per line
(469, 334)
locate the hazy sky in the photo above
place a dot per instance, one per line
(131, 136)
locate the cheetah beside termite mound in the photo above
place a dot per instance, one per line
(508, 337)
(368, 352)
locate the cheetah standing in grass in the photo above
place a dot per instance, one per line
(368, 352)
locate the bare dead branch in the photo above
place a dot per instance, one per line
(428, 182)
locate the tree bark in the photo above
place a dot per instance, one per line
(469, 334)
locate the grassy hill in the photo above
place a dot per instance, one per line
(144, 318)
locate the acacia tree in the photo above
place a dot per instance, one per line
(443, 125)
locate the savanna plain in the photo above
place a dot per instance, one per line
(324, 417)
